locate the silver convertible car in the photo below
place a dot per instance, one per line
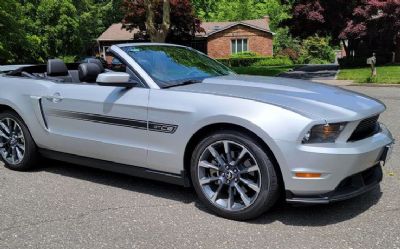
(170, 113)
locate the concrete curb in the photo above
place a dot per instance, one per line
(375, 85)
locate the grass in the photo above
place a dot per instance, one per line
(389, 74)
(263, 71)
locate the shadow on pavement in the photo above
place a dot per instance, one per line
(315, 215)
(309, 72)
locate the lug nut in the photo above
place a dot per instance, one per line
(227, 181)
(223, 174)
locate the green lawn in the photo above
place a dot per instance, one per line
(264, 71)
(385, 75)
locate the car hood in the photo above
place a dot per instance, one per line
(311, 99)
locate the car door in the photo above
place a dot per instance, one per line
(103, 122)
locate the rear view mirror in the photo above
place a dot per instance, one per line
(116, 79)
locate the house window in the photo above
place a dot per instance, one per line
(239, 45)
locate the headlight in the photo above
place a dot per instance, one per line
(325, 133)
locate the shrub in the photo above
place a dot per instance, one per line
(289, 52)
(240, 62)
(316, 50)
(274, 61)
(247, 54)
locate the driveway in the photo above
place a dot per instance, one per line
(66, 206)
(313, 72)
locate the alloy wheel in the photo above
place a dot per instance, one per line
(12, 141)
(229, 175)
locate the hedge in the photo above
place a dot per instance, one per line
(256, 61)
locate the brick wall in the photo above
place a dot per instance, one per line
(219, 44)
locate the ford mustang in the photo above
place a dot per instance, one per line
(170, 113)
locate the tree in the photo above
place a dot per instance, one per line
(237, 10)
(365, 25)
(377, 23)
(160, 20)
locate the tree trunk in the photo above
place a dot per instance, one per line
(157, 34)
(346, 48)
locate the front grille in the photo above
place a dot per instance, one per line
(365, 128)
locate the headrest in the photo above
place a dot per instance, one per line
(88, 72)
(97, 62)
(56, 67)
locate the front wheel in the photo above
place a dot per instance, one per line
(233, 176)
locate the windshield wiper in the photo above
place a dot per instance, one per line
(185, 82)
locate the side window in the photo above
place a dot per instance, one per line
(114, 64)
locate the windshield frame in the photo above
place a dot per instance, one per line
(172, 83)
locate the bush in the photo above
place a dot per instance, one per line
(258, 61)
(289, 52)
(240, 61)
(316, 50)
(274, 61)
(247, 54)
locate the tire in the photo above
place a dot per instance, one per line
(21, 144)
(225, 195)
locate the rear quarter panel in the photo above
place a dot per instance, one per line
(23, 96)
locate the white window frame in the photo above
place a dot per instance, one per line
(236, 45)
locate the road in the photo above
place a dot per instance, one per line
(60, 205)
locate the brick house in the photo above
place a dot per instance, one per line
(219, 39)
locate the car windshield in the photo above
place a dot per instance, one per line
(172, 66)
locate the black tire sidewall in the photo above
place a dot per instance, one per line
(269, 182)
(30, 156)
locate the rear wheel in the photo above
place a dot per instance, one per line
(17, 148)
(233, 176)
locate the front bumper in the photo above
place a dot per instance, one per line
(335, 162)
(350, 187)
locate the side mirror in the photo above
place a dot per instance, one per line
(116, 79)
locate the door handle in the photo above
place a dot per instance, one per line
(56, 98)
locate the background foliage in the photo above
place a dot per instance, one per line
(34, 30)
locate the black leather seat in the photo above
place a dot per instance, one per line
(88, 72)
(97, 62)
(57, 70)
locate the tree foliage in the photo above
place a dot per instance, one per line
(368, 24)
(34, 30)
(158, 20)
(236, 10)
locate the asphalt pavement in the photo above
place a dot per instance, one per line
(61, 205)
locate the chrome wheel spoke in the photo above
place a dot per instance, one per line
(216, 155)
(4, 128)
(230, 198)
(208, 165)
(214, 197)
(251, 184)
(227, 152)
(246, 200)
(208, 180)
(19, 153)
(249, 169)
(241, 156)
(13, 155)
(2, 134)
(21, 147)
